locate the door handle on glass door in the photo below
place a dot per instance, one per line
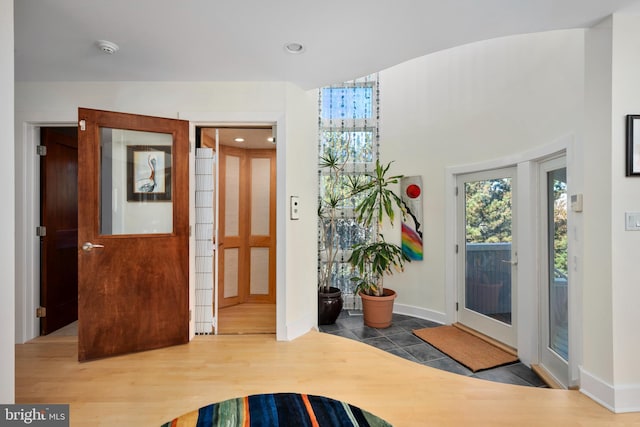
(514, 262)
(87, 246)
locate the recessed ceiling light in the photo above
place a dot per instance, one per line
(239, 140)
(107, 46)
(294, 48)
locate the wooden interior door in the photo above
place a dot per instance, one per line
(247, 226)
(261, 226)
(59, 216)
(232, 227)
(133, 231)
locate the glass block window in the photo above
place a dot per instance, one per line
(348, 115)
(347, 102)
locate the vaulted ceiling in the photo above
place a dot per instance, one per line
(243, 40)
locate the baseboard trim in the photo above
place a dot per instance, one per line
(618, 399)
(295, 330)
(419, 312)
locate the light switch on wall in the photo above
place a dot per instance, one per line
(632, 221)
(294, 206)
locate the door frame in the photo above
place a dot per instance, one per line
(44, 210)
(528, 255)
(27, 297)
(275, 120)
(501, 331)
(548, 361)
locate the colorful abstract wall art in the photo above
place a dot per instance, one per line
(411, 195)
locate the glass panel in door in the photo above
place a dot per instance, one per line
(558, 282)
(135, 182)
(489, 257)
(554, 295)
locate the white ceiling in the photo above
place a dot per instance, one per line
(243, 40)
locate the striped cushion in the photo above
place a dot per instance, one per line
(278, 410)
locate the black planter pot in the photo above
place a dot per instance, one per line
(329, 306)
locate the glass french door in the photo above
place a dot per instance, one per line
(554, 325)
(487, 253)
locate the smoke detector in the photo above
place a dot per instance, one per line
(107, 47)
(294, 48)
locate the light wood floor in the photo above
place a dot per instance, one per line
(149, 388)
(247, 319)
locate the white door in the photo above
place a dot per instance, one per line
(487, 253)
(554, 289)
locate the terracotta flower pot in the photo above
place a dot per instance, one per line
(378, 311)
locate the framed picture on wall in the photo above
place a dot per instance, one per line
(633, 145)
(148, 173)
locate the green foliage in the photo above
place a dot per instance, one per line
(488, 211)
(374, 200)
(375, 259)
(334, 194)
(488, 215)
(379, 199)
(339, 190)
(560, 226)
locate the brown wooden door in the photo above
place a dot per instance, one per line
(247, 242)
(232, 227)
(261, 226)
(59, 216)
(133, 197)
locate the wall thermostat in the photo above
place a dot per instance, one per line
(576, 202)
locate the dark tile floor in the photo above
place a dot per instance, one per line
(398, 339)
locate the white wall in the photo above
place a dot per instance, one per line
(611, 287)
(597, 215)
(471, 104)
(498, 98)
(58, 102)
(7, 195)
(625, 198)
(302, 236)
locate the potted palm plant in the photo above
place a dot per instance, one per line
(373, 260)
(337, 188)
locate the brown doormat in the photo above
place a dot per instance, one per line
(471, 351)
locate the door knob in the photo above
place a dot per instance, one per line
(87, 246)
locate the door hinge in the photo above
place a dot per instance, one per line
(456, 306)
(457, 248)
(41, 150)
(83, 124)
(41, 231)
(456, 191)
(41, 312)
(190, 230)
(190, 313)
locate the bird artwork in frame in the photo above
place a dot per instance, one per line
(148, 173)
